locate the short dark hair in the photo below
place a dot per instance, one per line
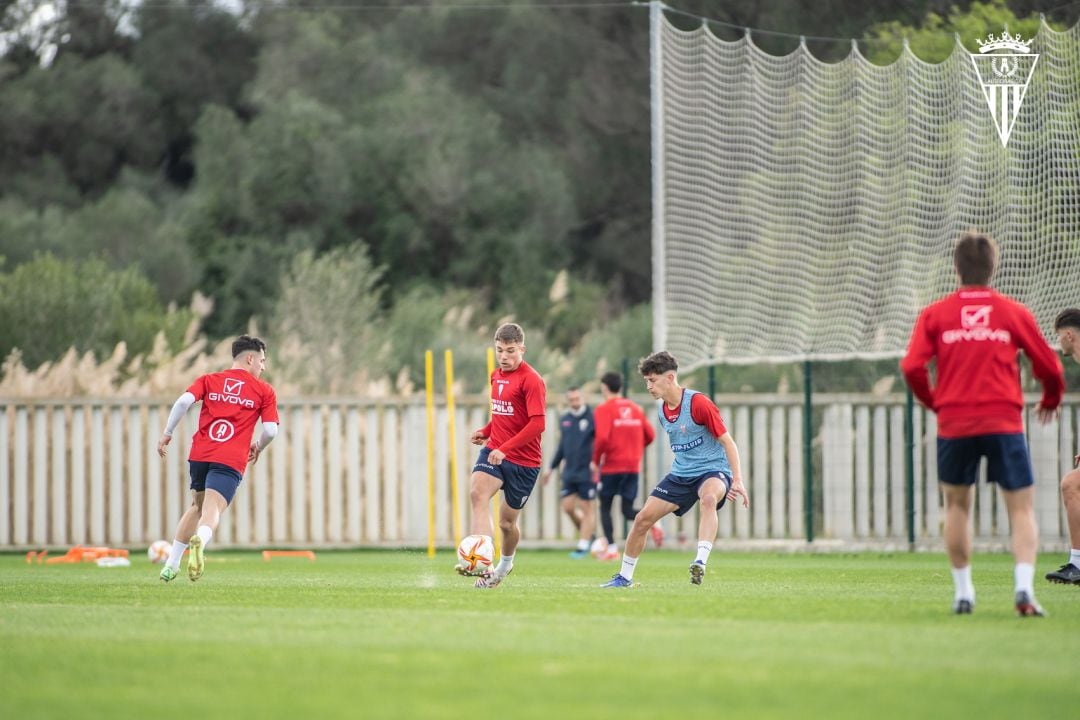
(975, 258)
(510, 333)
(658, 363)
(612, 381)
(1069, 317)
(247, 343)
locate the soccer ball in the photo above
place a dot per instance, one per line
(476, 552)
(158, 552)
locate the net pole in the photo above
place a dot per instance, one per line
(808, 449)
(656, 104)
(909, 465)
(430, 392)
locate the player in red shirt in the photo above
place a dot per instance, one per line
(976, 334)
(622, 433)
(510, 459)
(232, 402)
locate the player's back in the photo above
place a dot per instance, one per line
(623, 436)
(233, 401)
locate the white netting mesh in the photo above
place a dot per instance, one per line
(808, 210)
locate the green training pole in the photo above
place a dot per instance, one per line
(808, 448)
(625, 377)
(712, 382)
(909, 464)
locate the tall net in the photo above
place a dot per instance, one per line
(806, 210)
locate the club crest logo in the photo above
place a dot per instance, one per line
(1005, 66)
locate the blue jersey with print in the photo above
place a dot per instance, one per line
(696, 450)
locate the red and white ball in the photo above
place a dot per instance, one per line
(158, 552)
(476, 552)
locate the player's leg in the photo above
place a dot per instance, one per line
(222, 483)
(1025, 540)
(711, 495)
(1070, 496)
(958, 468)
(649, 515)
(1009, 466)
(189, 521)
(586, 502)
(511, 536)
(958, 502)
(568, 504)
(482, 487)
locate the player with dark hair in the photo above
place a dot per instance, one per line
(510, 459)
(976, 334)
(578, 495)
(706, 467)
(1067, 326)
(232, 402)
(622, 433)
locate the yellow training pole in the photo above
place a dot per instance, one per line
(452, 420)
(429, 383)
(494, 500)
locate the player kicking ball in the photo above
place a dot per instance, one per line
(706, 467)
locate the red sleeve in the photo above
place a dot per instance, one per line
(530, 432)
(647, 428)
(1045, 364)
(198, 388)
(913, 366)
(704, 412)
(602, 429)
(269, 409)
(535, 396)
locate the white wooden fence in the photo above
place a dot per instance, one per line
(346, 472)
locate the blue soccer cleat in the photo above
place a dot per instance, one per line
(578, 554)
(617, 581)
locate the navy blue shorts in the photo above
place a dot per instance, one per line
(517, 480)
(683, 491)
(584, 489)
(1007, 461)
(624, 485)
(214, 476)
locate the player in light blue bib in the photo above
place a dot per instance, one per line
(706, 467)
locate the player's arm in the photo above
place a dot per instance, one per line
(479, 437)
(560, 455)
(532, 430)
(269, 432)
(738, 490)
(179, 409)
(1045, 365)
(913, 365)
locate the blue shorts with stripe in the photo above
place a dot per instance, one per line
(215, 476)
(683, 491)
(584, 489)
(1007, 460)
(518, 481)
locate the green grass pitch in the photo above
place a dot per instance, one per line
(396, 635)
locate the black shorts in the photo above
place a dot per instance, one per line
(683, 491)
(214, 476)
(624, 485)
(584, 489)
(518, 481)
(1007, 461)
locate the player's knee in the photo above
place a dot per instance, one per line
(506, 525)
(709, 499)
(1070, 485)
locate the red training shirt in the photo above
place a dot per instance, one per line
(976, 334)
(232, 402)
(622, 432)
(518, 408)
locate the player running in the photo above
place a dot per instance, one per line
(232, 402)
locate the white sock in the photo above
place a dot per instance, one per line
(1025, 578)
(506, 564)
(965, 590)
(628, 564)
(1074, 557)
(583, 544)
(176, 554)
(703, 550)
(206, 534)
